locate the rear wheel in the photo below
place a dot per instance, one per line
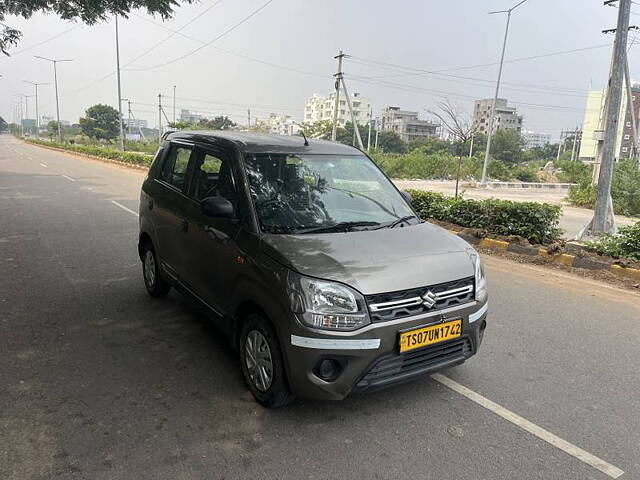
(261, 363)
(153, 281)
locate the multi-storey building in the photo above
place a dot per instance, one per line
(320, 108)
(278, 124)
(407, 124)
(536, 139)
(593, 125)
(189, 117)
(505, 116)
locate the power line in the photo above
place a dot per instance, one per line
(175, 32)
(26, 49)
(419, 71)
(236, 54)
(192, 52)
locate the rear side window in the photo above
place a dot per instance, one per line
(174, 170)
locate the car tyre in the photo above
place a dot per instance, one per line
(156, 285)
(261, 362)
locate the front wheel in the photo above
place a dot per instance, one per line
(261, 363)
(155, 284)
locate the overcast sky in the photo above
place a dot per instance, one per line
(304, 36)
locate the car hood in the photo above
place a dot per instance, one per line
(376, 261)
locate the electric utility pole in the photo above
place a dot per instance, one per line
(336, 103)
(159, 118)
(55, 79)
(119, 87)
(603, 220)
(495, 97)
(632, 108)
(356, 130)
(36, 85)
(369, 134)
(174, 104)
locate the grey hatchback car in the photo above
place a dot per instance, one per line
(318, 269)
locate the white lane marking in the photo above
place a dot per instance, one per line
(541, 433)
(126, 209)
(331, 344)
(69, 178)
(43, 165)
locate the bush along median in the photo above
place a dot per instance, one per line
(133, 158)
(530, 229)
(535, 222)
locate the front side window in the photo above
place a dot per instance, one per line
(306, 193)
(174, 170)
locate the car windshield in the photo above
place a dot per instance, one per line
(314, 193)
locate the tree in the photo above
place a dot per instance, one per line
(52, 128)
(218, 123)
(88, 11)
(101, 122)
(507, 146)
(319, 130)
(3, 125)
(391, 142)
(459, 126)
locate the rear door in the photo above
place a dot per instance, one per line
(169, 205)
(213, 253)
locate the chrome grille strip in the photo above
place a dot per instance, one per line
(408, 302)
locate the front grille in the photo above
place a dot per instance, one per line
(396, 368)
(406, 303)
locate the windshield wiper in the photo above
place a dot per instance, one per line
(338, 227)
(397, 222)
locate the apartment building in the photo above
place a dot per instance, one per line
(320, 108)
(505, 116)
(407, 124)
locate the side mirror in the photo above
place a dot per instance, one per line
(407, 196)
(218, 207)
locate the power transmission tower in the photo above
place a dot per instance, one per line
(336, 103)
(603, 220)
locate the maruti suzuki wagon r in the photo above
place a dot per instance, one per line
(313, 262)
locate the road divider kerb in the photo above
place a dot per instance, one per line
(565, 259)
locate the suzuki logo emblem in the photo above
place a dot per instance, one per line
(429, 299)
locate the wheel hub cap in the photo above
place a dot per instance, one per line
(258, 360)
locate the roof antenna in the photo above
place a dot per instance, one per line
(306, 142)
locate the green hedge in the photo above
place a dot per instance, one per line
(537, 222)
(98, 151)
(626, 244)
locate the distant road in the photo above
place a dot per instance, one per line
(573, 218)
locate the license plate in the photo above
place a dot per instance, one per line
(421, 337)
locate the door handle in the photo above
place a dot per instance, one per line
(184, 225)
(150, 204)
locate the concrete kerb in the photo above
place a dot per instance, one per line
(566, 259)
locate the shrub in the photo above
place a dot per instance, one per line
(525, 174)
(99, 151)
(537, 222)
(626, 244)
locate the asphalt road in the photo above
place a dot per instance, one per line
(99, 381)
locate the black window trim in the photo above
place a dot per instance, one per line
(214, 151)
(185, 188)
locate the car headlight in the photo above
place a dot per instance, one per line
(327, 305)
(481, 280)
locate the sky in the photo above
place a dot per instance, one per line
(284, 52)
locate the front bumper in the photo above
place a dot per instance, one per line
(369, 358)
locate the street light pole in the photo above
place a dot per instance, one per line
(119, 87)
(495, 97)
(36, 84)
(55, 79)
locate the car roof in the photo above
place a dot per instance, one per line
(250, 142)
